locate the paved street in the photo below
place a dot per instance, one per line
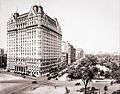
(9, 83)
(19, 85)
(111, 88)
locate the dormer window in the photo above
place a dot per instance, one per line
(35, 7)
(12, 20)
(31, 14)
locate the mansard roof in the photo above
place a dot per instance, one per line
(35, 9)
(23, 15)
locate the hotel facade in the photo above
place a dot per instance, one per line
(33, 42)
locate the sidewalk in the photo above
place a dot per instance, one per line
(19, 75)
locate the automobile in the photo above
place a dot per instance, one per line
(48, 75)
(49, 78)
(52, 75)
(33, 75)
(77, 84)
(82, 90)
(56, 78)
(8, 70)
(23, 76)
(34, 82)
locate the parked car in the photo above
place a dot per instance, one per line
(49, 78)
(83, 89)
(77, 84)
(33, 75)
(23, 76)
(34, 82)
(8, 70)
(48, 75)
(52, 75)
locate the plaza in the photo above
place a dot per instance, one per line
(18, 85)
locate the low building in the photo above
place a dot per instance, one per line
(3, 59)
(79, 53)
(64, 58)
(1, 51)
(104, 68)
(71, 54)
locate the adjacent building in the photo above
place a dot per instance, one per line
(1, 51)
(79, 53)
(71, 54)
(33, 42)
(3, 59)
(68, 52)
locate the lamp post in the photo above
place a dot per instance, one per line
(99, 90)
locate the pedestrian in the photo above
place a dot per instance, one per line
(111, 83)
(55, 87)
(67, 90)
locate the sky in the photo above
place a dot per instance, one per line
(93, 25)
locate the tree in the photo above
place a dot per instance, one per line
(87, 76)
(105, 89)
(116, 92)
(88, 69)
(95, 70)
(85, 62)
(116, 75)
(93, 59)
(114, 66)
(85, 70)
(101, 73)
(107, 74)
(75, 74)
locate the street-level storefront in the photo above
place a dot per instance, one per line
(33, 68)
(21, 69)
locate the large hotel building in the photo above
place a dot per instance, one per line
(33, 42)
